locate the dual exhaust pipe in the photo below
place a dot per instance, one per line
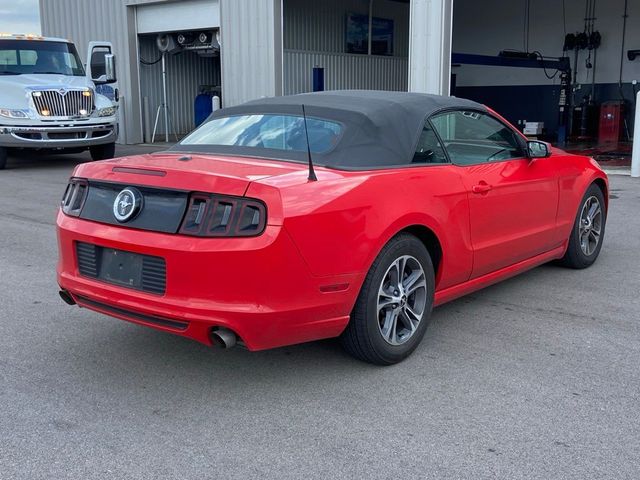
(66, 297)
(220, 337)
(223, 338)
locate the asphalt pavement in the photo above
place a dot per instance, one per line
(537, 377)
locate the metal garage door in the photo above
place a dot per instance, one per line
(178, 16)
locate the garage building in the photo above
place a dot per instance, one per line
(255, 48)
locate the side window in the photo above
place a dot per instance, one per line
(472, 137)
(8, 57)
(429, 149)
(28, 57)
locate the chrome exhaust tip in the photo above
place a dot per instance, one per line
(223, 338)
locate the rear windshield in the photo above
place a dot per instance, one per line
(271, 131)
(20, 57)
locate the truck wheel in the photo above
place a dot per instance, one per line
(3, 158)
(393, 309)
(103, 152)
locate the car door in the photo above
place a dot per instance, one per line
(441, 193)
(513, 200)
(101, 71)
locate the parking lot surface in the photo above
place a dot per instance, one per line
(537, 377)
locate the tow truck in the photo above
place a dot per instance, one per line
(51, 103)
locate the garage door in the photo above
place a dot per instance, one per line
(178, 16)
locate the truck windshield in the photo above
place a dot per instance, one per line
(21, 57)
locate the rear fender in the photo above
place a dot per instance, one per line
(341, 226)
(452, 268)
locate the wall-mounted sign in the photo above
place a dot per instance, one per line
(358, 34)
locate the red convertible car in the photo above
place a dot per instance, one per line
(349, 214)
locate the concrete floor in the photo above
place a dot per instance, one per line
(538, 377)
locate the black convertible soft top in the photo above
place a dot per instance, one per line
(380, 128)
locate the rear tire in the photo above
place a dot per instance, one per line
(3, 158)
(587, 234)
(394, 306)
(103, 152)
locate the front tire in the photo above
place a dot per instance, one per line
(3, 158)
(103, 152)
(587, 234)
(394, 306)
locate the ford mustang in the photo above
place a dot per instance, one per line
(344, 214)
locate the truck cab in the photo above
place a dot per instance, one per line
(49, 102)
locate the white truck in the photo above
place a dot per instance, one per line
(48, 102)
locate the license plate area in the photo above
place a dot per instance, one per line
(119, 267)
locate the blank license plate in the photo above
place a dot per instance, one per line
(121, 268)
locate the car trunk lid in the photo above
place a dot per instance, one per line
(190, 172)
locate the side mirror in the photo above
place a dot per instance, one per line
(537, 149)
(101, 64)
(110, 67)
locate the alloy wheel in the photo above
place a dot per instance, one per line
(402, 299)
(590, 228)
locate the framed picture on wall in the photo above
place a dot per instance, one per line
(357, 33)
(381, 36)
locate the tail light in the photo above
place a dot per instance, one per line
(74, 197)
(224, 216)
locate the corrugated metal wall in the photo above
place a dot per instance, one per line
(253, 38)
(251, 45)
(320, 26)
(186, 72)
(344, 71)
(85, 20)
(315, 35)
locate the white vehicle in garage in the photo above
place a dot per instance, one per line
(48, 102)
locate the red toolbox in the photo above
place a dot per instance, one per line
(611, 125)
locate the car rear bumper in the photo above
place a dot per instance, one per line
(53, 137)
(259, 287)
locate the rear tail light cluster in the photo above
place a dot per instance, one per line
(74, 197)
(223, 216)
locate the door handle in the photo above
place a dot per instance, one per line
(482, 187)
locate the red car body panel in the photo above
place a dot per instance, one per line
(202, 285)
(299, 280)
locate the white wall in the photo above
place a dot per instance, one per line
(488, 26)
(251, 49)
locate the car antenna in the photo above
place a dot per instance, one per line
(312, 173)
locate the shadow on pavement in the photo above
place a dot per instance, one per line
(29, 159)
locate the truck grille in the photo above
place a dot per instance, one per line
(63, 103)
